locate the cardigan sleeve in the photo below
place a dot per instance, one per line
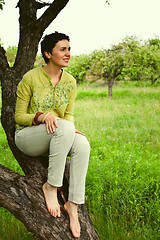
(68, 115)
(22, 115)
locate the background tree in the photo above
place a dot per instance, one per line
(22, 195)
(131, 60)
(154, 41)
(11, 54)
(78, 67)
(150, 58)
(108, 66)
(143, 62)
(130, 69)
(154, 60)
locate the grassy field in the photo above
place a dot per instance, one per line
(123, 179)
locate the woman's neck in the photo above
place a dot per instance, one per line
(53, 72)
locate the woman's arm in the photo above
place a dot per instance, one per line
(68, 115)
(22, 116)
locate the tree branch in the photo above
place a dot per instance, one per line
(116, 69)
(106, 74)
(94, 74)
(3, 60)
(41, 4)
(23, 197)
(50, 14)
(153, 80)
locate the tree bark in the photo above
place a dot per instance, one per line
(22, 195)
(153, 80)
(110, 85)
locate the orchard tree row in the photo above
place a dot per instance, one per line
(130, 60)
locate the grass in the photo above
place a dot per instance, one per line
(123, 184)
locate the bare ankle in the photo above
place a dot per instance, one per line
(72, 204)
(50, 194)
(71, 209)
(49, 187)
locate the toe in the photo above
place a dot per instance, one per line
(75, 232)
(59, 213)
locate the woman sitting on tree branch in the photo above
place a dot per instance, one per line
(44, 117)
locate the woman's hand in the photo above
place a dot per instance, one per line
(50, 121)
(79, 132)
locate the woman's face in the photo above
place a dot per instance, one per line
(60, 54)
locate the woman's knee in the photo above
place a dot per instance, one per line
(66, 128)
(82, 145)
(85, 146)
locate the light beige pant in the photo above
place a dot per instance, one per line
(34, 141)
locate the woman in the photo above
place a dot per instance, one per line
(44, 117)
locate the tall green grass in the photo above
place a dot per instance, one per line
(123, 183)
(123, 179)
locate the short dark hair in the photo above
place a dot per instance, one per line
(49, 42)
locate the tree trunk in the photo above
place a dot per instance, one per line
(153, 80)
(110, 85)
(22, 195)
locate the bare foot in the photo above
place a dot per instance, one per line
(71, 209)
(50, 194)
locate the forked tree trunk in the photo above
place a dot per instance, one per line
(22, 195)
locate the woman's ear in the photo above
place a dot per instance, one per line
(47, 54)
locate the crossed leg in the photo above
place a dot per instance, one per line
(60, 144)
